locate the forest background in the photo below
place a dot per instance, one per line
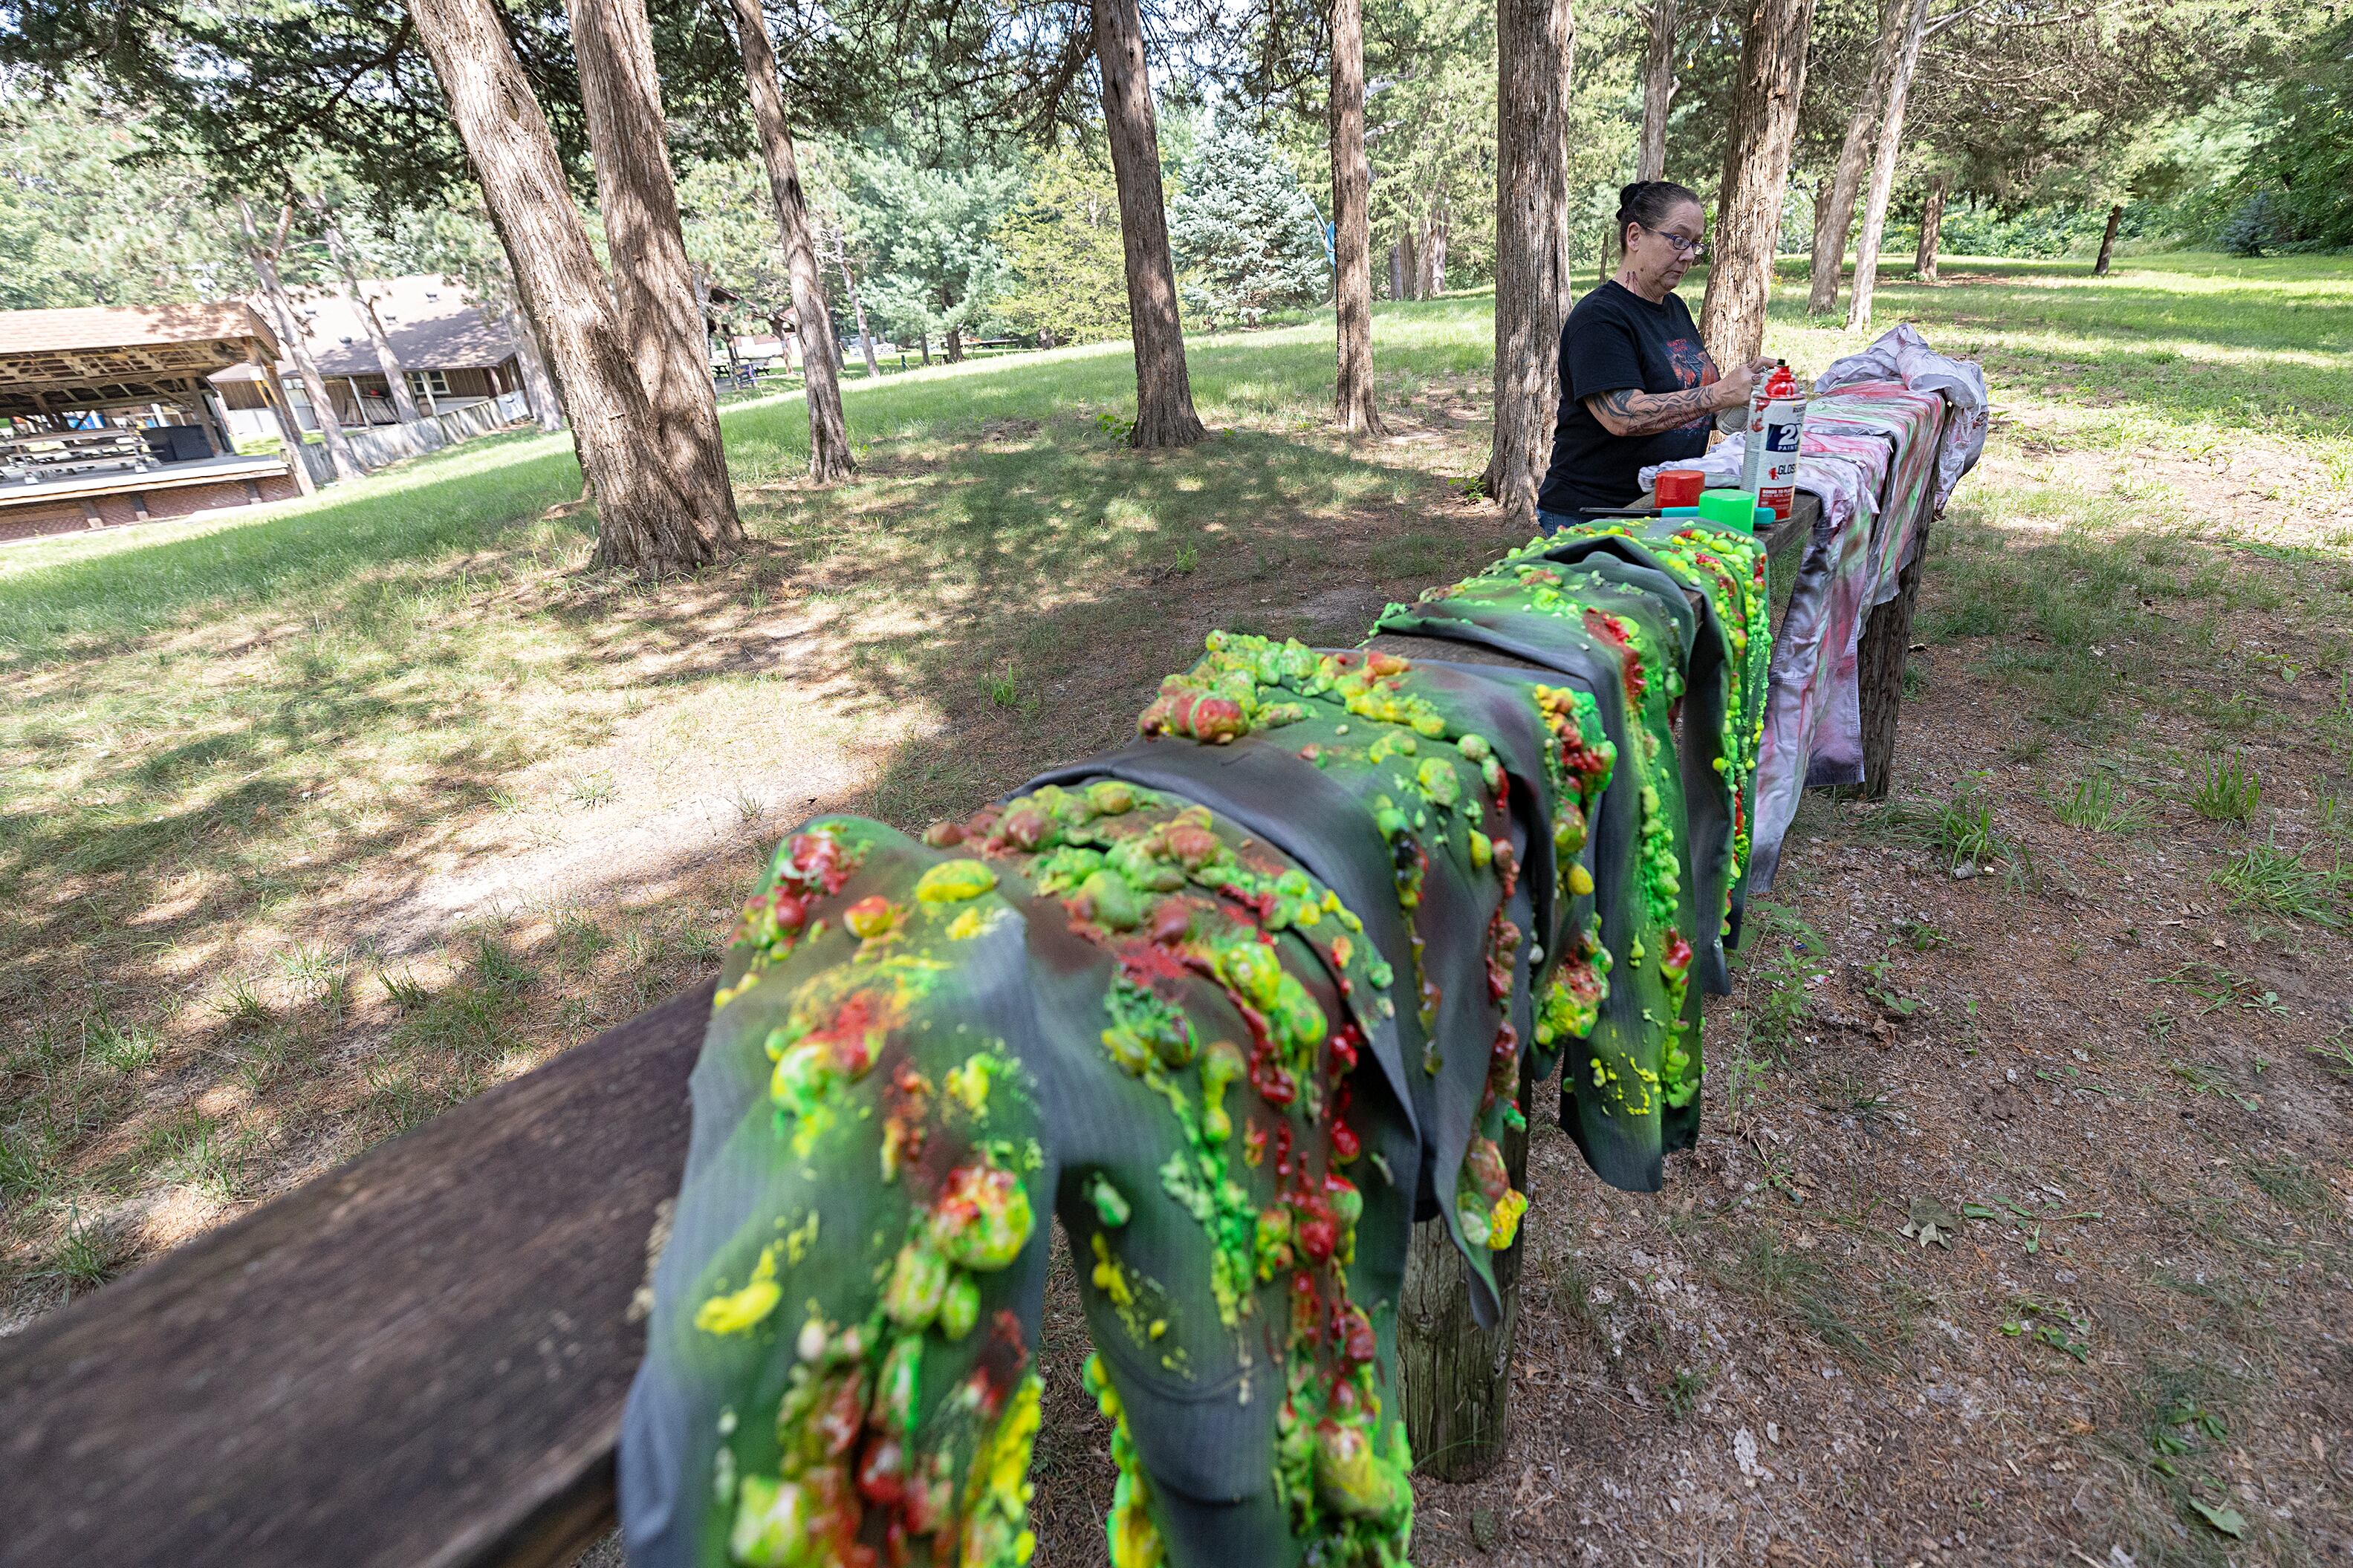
(2032, 125)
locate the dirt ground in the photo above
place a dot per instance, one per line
(2117, 1100)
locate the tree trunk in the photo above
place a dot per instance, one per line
(1834, 219)
(1932, 224)
(653, 280)
(404, 403)
(1432, 253)
(1757, 144)
(1455, 1377)
(1882, 166)
(288, 323)
(1163, 390)
(1535, 48)
(924, 341)
(830, 456)
(955, 346)
(290, 428)
(2108, 240)
(1658, 92)
(643, 521)
(1355, 400)
(857, 306)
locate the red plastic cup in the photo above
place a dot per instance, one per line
(1680, 487)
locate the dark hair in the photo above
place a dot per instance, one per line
(1648, 203)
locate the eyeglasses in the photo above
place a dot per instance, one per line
(1691, 247)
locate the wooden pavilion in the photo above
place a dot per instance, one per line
(107, 417)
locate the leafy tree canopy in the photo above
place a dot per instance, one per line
(1247, 238)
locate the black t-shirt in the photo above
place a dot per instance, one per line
(1616, 341)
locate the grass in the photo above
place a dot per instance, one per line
(2226, 789)
(2267, 877)
(2099, 804)
(236, 749)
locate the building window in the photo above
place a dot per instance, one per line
(428, 384)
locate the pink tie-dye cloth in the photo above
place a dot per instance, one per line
(1888, 434)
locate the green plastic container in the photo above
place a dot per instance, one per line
(1735, 508)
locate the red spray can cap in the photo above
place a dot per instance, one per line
(1781, 384)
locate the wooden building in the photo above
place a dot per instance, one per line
(106, 415)
(452, 353)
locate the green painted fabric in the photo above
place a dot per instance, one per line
(1234, 1006)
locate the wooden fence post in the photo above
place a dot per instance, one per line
(1454, 1376)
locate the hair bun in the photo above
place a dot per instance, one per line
(1626, 194)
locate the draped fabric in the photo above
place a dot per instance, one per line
(1234, 1005)
(1888, 434)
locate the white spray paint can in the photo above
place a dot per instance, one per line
(1780, 425)
(1752, 452)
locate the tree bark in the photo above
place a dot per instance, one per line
(1354, 397)
(2108, 240)
(1758, 141)
(653, 282)
(1535, 48)
(290, 429)
(1658, 92)
(857, 306)
(1932, 224)
(1834, 221)
(1455, 1377)
(830, 456)
(955, 346)
(1164, 389)
(404, 403)
(643, 521)
(1432, 253)
(1882, 165)
(263, 258)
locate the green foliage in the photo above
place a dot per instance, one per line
(80, 224)
(926, 218)
(2226, 788)
(2306, 155)
(1070, 276)
(1245, 236)
(1430, 68)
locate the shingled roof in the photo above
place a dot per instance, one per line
(432, 324)
(130, 327)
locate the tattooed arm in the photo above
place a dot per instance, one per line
(1628, 412)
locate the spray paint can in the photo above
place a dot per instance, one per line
(1780, 423)
(1752, 452)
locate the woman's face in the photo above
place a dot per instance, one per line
(1660, 256)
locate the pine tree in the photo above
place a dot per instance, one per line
(1246, 235)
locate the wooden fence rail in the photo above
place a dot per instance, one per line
(418, 1359)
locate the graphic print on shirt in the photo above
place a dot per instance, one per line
(1690, 363)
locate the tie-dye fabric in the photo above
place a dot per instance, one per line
(1888, 433)
(1234, 1005)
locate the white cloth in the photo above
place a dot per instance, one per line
(1900, 353)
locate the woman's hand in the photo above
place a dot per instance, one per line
(1736, 384)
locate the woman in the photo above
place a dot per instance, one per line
(1637, 385)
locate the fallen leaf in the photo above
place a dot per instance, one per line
(2229, 1521)
(1931, 1221)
